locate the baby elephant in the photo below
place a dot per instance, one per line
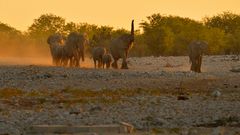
(97, 54)
(107, 60)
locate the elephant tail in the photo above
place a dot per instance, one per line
(132, 30)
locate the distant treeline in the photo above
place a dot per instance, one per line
(159, 35)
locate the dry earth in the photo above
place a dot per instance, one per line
(155, 93)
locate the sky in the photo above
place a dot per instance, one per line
(117, 13)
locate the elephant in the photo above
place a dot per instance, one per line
(70, 49)
(75, 45)
(107, 59)
(56, 48)
(120, 47)
(196, 49)
(82, 42)
(97, 54)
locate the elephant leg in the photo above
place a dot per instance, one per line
(108, 65)
(103, 65)
(82, 55)
(193, 66)
(200, 64)
(124, 62)
(191, 60)
(58, 62)
(71, 62)
(99, 64)
(77, 61)
(64, 61)
(95, 63)
(114, 64)
(53, 61)
(197, 67)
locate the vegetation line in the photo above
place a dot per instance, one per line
(161, 35)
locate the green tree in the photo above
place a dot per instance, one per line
(230, 24)
(226, 21)
(70, 27)
(46, 25)
(170, 35)
(234, 42)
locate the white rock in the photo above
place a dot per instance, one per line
(216, 93)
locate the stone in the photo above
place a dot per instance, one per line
(216, 93)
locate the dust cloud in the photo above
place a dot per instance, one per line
(24, 54)
(30, 54)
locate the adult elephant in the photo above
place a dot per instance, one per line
(74, 48)
(83, 40)
(120, 46)
(56, 48)
(196, 50)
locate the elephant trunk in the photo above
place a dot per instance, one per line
(132, 31)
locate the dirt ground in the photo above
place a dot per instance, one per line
(155, 93)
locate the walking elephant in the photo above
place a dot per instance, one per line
(74, 47)
(196, 50)
(56, 48)
(107, 59)
(120, 46)
(97, 54)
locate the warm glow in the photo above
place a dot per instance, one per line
(20, 13)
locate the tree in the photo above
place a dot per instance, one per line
(170, 35)
(7, 31)
(230, 24)
(70, 27)
(226, 21)
(234, 42)
(46, 25)
(102, 35)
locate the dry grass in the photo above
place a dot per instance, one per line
(10, 93)
(70, 96)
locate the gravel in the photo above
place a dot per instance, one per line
(169, 75)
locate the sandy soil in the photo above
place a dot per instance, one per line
(156, 92)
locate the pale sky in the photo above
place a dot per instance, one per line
(116, 13)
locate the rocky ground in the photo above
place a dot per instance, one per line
(155, 93)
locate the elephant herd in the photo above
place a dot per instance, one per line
(69, 51)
